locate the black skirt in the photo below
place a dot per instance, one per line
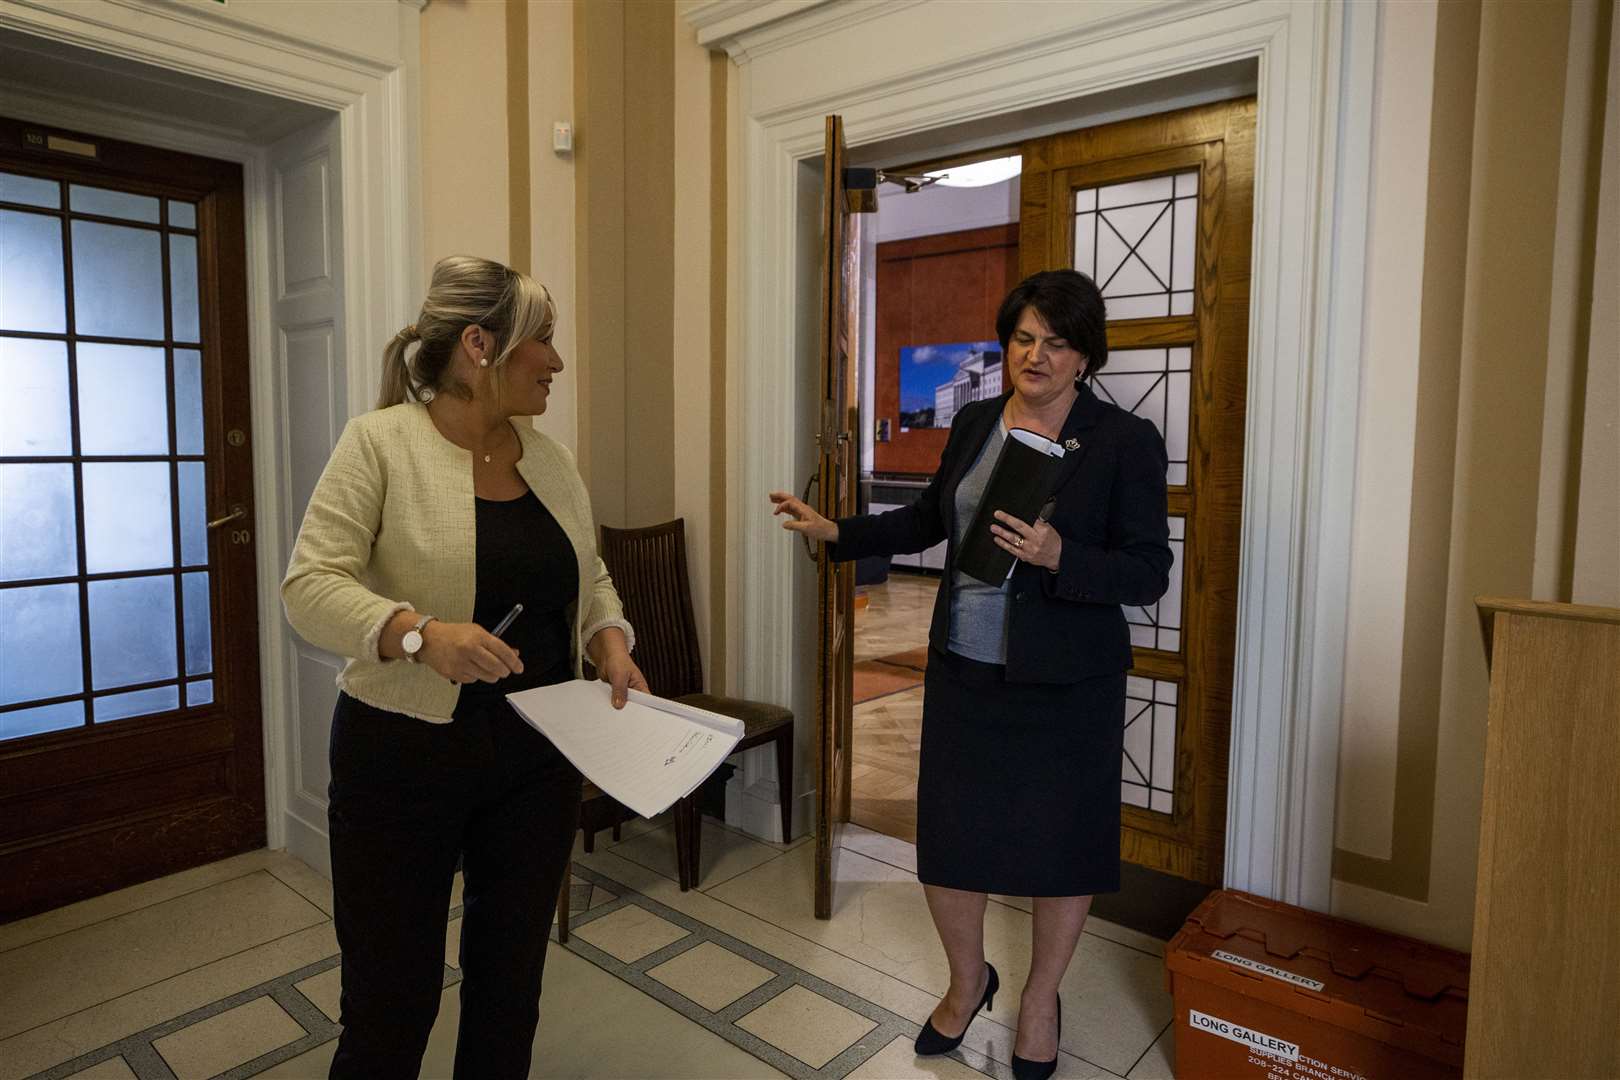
(1018, 788)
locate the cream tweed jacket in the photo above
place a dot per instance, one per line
(391, 527)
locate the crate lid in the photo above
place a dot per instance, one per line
(1391, 988)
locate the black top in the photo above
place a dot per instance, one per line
(525, 557)
(1111, 514)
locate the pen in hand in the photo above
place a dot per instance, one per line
(500, 627)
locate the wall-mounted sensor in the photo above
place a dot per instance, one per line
(562, 137)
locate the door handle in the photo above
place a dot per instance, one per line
(237, 511)
(809, 549)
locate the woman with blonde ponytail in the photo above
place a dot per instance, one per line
(436, 517)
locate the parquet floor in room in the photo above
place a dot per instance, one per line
(888, 730)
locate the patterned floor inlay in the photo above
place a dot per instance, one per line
(799, 1024)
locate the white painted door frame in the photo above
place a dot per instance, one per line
(902, 68)
(378, 112)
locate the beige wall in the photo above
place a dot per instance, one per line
(1472, 484)
(1382, 516)
(551, 200)
(624, 251)
(1596, 578)
(698, 322)
(465, 163)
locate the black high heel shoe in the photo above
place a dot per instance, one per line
(1025, 1069)
(930, 1042)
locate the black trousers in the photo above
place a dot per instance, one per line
(407, 798)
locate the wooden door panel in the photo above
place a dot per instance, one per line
(101, 802)
(64, 763)
(1215, 145)
(833, 583)
(838, 473)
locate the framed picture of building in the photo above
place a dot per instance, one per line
(936, 381)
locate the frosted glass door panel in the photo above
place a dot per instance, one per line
(42, 623)
(1158, 626)
(103, 474)
(30, 190)
(1156, 384)
(132, 630)
(1148, 778)
(193, 513)
(183, 287)
(188, 402)
(117, 281)
(37, 526)
(127, 524)
(35, 418)
(1137, 240)
(31, 284)
(105, 202)
(41, 719)
(137, 703)
(123, 399)
(198, 624)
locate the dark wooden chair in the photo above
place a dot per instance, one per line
(649, 570)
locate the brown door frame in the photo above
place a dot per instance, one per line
(186, 787)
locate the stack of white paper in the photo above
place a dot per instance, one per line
(646, 755)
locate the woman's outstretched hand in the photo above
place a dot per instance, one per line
(803, 519)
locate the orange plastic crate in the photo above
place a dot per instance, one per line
(1269, 990)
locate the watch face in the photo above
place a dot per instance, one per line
(411, 642)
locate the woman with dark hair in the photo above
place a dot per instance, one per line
(1024, 700)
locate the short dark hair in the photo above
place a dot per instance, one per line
(1068, 302)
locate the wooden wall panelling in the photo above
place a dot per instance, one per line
(933, 290)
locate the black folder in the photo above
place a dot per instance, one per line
(1023, 479)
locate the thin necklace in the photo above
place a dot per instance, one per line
(487, 457)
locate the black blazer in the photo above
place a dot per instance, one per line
(1111, 514)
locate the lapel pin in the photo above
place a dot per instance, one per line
(1071, 444)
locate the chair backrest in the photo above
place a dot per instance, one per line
(649, 570)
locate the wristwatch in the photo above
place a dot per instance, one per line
(412, 641)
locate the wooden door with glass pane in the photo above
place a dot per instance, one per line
(130, 732)
(1158, 211)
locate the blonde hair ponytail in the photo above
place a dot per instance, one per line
(465, 291)
(396, 380)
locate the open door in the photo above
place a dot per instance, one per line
(837, 475)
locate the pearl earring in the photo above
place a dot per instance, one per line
(483, 361)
